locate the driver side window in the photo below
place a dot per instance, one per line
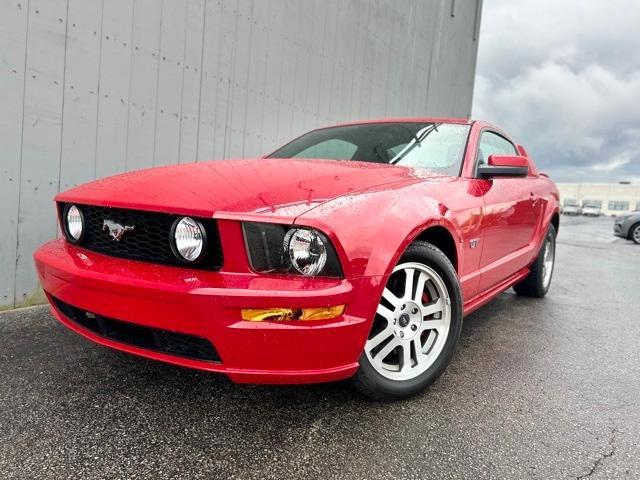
(491, 143)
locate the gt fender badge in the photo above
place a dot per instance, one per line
(474, 242)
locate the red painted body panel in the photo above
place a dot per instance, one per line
(371, 212)
(207, 304)
(271, 190)
(508, 160)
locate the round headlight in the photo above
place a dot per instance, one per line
(188, 238)
(75, 223)
(307, 250)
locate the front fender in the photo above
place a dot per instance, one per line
(371, 229)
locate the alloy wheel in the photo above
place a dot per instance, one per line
(549, 258)
(411, 324)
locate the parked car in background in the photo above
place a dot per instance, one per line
(352, 251)
(571, 208)
(591, 210)
(628, 226)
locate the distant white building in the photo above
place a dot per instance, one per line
(612, 198)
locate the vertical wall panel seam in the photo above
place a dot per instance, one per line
(231, 79)
(98, 91)
(434, 41)
(155, 121)
(64, 85)
(204, 30)
(246, 100)
(334, 43)
(184, 56)
(279, 98)
(24, 88)
(365, 44)
(309, 63)
(323, 59)
(388, 71)
(267, 41)
(354, 62)
(133, 24)
(215, 106)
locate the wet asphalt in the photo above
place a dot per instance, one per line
(537, 389)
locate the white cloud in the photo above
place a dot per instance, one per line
(564, 79)
(613, 164)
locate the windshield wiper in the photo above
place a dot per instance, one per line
(411, 133)
(427, 131)
(418, 140)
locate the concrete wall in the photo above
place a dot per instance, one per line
(613, 197)
(90, 88)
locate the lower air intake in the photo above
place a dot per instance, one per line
(155, 339)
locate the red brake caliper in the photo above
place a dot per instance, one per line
(425, 298)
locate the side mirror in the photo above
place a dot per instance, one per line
(504, 166)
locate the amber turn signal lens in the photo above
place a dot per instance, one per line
(291, 314)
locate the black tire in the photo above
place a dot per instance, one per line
(533, 284)
(371, 383)
(632, 233)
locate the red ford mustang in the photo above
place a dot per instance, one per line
(352, 251)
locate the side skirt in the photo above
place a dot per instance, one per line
(484, 297)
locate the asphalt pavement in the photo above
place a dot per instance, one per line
(537, 389)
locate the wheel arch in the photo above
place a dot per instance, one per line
(631, 229)
(441, 237)
(438, 231)
(555, 221)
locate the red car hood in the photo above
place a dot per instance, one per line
(255, 188)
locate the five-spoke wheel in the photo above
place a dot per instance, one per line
(415, 328)
(411, 324)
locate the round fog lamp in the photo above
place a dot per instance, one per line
(188, 238)
(75, 223)
(307, 250)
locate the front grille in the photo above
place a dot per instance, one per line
(156, 339)
(149, 241)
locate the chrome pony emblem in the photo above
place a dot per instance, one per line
(115, 229)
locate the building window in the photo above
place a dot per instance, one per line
(618, 205)
(592, 203)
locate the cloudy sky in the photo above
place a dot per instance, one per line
(563, 78)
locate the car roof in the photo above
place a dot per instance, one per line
(462, 121)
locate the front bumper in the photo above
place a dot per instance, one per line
(207, 305)
(619, 231)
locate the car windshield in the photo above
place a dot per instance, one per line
(432, 146)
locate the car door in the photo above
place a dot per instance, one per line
(509, 220)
